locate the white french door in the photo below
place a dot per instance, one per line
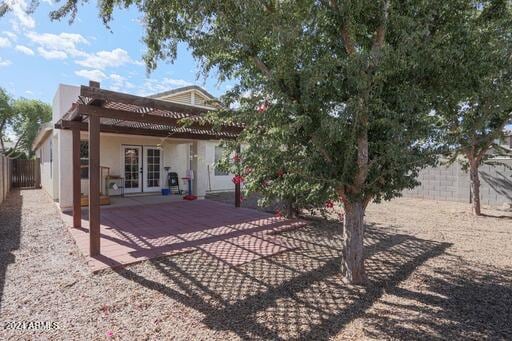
(132, 163)
(152, 169)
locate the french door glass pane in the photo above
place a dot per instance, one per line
(131, 167)
(153, 168)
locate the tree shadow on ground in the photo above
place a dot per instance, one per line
(300, 294)
(456, 299)
(10, 233)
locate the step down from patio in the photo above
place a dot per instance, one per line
(104, 200)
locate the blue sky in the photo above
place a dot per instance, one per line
(37, 54)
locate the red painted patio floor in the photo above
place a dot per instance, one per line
(137, 233)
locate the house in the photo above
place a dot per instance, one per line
(140, 141)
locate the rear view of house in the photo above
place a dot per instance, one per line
(135, 158)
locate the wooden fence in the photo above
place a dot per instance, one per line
(25, 173)
(5, 177)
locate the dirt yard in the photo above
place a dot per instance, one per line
(435, 272)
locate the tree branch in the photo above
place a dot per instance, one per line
(3, 8)
(347, 40)
(380, 33)
(344, 31)
(18, 141)
(269, 6)
(321, 149)
(490, 140)
(261, 66)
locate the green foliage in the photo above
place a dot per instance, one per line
(5, 116)
(23, 117)
(478, 69)
(28, 115)
(5, 104)
(348, 85)
(5, 7)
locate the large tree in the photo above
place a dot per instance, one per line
(28, 116)
(5, 116)
(474, 113)
(21, 119)
(343, 90)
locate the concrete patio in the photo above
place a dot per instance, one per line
(133, 233)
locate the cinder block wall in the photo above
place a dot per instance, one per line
(452, 183)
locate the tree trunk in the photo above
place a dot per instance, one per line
(475, 187)
(291, 210)
(352, 263)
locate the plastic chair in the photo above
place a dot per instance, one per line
(173, 182)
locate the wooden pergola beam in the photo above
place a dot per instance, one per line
(105, 128)
(238, 193)
(132, 116)
(77, 209)
(94, 186)
(113, 96)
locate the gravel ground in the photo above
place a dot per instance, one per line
(435, 272)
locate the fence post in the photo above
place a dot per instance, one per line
(2, 175)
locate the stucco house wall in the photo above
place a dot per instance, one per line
(55, 150)
(175, 153)
(45, 156)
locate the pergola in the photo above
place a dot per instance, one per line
(97, 110)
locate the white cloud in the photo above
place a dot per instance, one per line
(64, 45)
(105, 59)
(64, 42)
(10, 34)
(51, 54)
(117, 78)
(19, 9)
(153, 86)
(94, 75)
(4, 62)
(4, 42)
(25, 50)
(120, 83)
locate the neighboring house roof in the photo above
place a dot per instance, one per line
(183, 89)
(149, 116)
(192, 95)
(44, 131)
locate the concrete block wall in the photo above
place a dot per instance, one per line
(452, 184)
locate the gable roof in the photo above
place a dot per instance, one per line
(183, 89)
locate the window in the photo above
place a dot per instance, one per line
(219, 154)
(84, 160)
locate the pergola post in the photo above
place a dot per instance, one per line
(77, 210)
(94, 185)
(238, 195)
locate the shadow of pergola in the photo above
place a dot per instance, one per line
(298, 294)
